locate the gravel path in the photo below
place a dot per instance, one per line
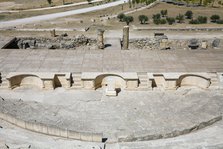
(58, 15)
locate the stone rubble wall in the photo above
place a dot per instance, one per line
(54, 43)
(174, 44)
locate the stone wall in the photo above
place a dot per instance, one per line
(174, 44)
(51, 130)
(54, 43)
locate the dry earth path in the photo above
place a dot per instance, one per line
(58, 15)
(49, 8)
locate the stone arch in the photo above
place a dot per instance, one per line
(102, 80)
(25, 80)
(193, 80)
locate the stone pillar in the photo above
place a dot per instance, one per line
(53, 33)
(204, 44)
(125, 40)
(100, 39)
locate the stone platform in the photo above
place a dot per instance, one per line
(132, 116)
(19, 60)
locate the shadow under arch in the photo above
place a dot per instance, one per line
(193, 80)
(102, 80)
(25, 80)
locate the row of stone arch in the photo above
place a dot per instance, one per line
(100, 80)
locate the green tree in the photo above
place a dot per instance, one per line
(121, 17)
(49, 2)
(143, 19)
(214, 18)
(163, 13)
(170, 20)
(89, 1)
(189, 14)
(180, 18)
(128, 19)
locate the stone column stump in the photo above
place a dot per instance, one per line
(125, 40)
(53, 33)
(100, 39)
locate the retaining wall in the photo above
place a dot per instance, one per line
(52, 130)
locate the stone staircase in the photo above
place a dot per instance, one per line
(3, 82)
(214, 81)
(143, 81)
(77, 83)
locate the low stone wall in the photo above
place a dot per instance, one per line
(53, 43)
(174, 44)
(171, 134)
(51, 130)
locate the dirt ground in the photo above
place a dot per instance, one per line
(28, 4)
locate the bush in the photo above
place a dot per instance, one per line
(162, 21)
(128, 19)
(143, 19)
(180, 18)
(219, 22)
(194, 22)
(163, 13)
(202, 19)
(199, 20)
(156, 21)
(214, 18)
(189, 14)
(156, 16)
(121, 17)
(170, 20)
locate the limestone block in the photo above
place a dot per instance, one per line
(171, 84)
(63, 133)
(48, 84)
(160, 81)
(110, 88)
(10, 119)
(73, 135)
(29, 125)
(20, 123)
(132, 84)
(53, 131)
(86, 137)
(204, 44)
(97, 137)
(88, 84)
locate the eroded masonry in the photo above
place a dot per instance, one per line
(153, 64)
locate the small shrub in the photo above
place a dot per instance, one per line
(214, 18)
(180, 18)
(163, 13)
(170, 20)
(156, 16)
(194, 21)
(163, 21)
(121, 17)
(189, 14)
(202, 19)
(143, 19)
(156, 21)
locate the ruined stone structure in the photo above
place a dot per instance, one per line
(125, 40)
(112, 81)
(100, 39)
